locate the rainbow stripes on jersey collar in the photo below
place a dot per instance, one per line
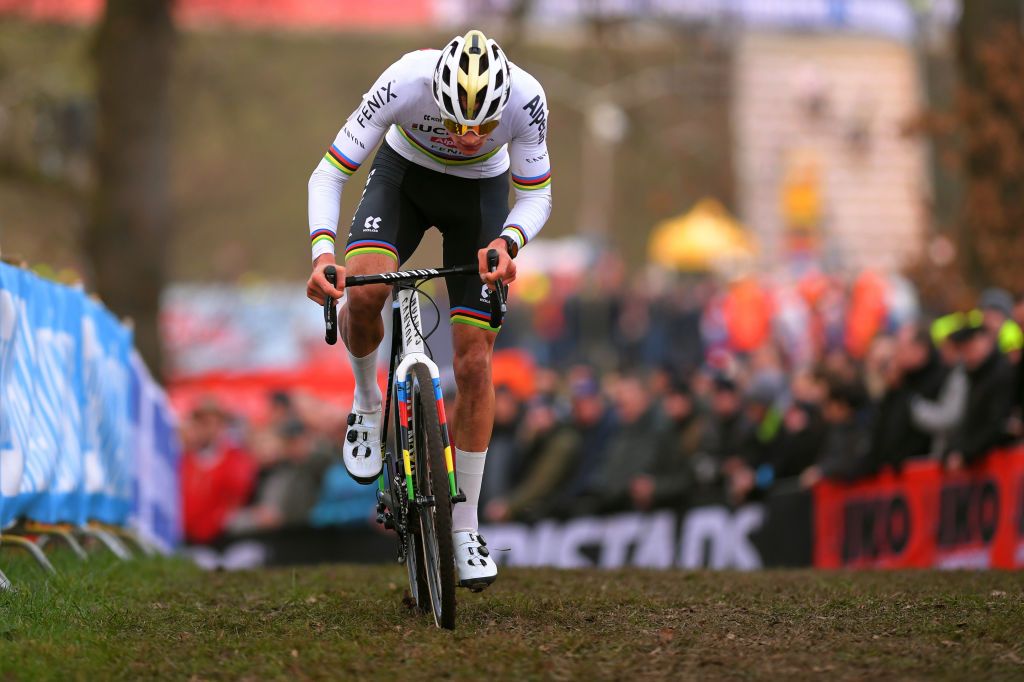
(536, 182)
(474, 318)
(336, 158)
(447, 160)
(323, 235)
(363, 246)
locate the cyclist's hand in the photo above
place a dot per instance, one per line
(506, 271)
(318, 288)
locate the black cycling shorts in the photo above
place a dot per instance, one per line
(402, 200)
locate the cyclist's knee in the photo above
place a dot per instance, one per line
(472, 365)
(366, 301)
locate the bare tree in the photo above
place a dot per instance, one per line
(128, 233)
(990, 124)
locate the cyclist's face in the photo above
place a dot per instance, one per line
(470, 143)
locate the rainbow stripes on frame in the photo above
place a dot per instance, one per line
(474, 318)
(536, 182)
(363, 246)
(323, 235)
(336, 158)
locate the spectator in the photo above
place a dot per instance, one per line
(217, 476)
(917, 373)
(751, 467)
(630, 452)
(289, 490)
(727, 428)
(846, 438)
(997, 314)
(940, 417)
(990, 397)
(594, 424)
(670, 479)
(803, 430)
(552, 449)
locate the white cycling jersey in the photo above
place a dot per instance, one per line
(401, 107)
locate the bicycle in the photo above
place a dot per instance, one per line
(416, 489)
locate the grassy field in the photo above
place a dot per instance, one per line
(166, 619)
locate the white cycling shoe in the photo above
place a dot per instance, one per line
(361, 452)
(476, 568)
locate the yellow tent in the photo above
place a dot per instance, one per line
(705, 238)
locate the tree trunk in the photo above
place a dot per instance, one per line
(128, 233)
(990, 117)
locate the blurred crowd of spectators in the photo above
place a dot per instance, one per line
(663, 396)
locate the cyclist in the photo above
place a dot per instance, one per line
(454, 122)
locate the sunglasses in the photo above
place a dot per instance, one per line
(456, 128)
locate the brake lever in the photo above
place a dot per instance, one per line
(330, 311)
(496, 296)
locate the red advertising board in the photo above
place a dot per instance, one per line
(924, 517)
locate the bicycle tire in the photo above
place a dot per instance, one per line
(431, 477)
(418, 590)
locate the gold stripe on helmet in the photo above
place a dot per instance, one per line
(474, 47)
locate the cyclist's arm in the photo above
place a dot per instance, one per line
(361, 133)
(531, 171)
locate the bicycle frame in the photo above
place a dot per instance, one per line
(411, 351)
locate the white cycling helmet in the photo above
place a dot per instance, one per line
(472, 80)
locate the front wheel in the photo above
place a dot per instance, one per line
(437, 567)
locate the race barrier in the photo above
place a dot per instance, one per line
(86, 435)
(924, 517)
(920, 517)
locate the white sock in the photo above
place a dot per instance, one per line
(469, 469)
(367, 397)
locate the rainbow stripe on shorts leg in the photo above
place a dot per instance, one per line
(474, 318)
(364, 246)
(336, 158)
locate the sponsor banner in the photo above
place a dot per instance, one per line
(74, 409)
(923, 517)
(157, 511)
(772, 532)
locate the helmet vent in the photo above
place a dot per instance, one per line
(464, 63)
(499, 78)
(493, 109)
(448, 106)
(446, 75)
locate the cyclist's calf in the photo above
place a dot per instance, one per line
(474, 405)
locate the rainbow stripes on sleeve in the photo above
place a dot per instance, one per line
(517, 233)
(536, 182)
(336, 158)
(323, 236)
(364, 246)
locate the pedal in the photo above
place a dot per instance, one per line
(461, 497)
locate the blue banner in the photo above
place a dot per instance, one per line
(71, 400)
